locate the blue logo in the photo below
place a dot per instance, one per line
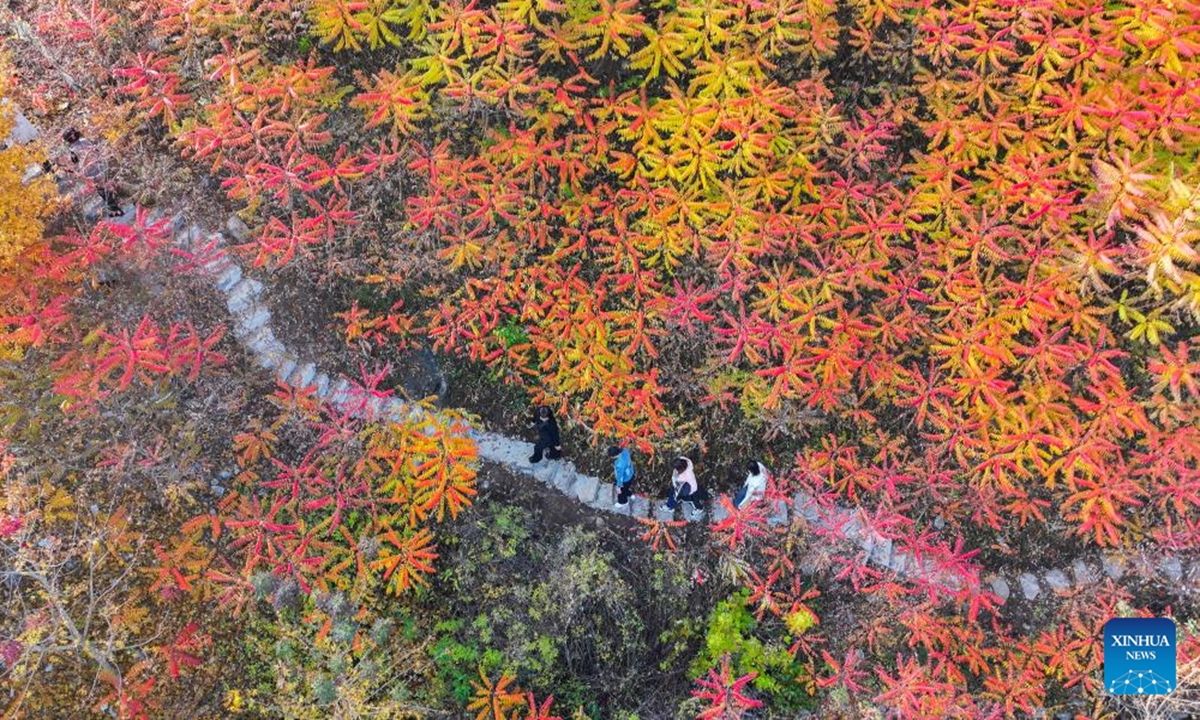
(1139, 656)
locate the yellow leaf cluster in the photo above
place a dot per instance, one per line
(378, 23)
(23, 205)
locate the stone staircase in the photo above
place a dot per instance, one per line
(252, 326)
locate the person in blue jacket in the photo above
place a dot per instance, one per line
(623, 472)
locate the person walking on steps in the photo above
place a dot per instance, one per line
(623, 472)
(684, 488)
(548, 442)
(755, 486)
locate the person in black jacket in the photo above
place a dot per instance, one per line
(548, 441)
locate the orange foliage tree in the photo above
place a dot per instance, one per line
(324, 501)
(968, 232)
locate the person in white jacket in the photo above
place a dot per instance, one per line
(755, 486)
(684, 486)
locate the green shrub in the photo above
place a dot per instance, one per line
(731, 630)
(512, 333)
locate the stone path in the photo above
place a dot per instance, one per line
(252, 325)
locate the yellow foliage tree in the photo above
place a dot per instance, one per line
(23, 205)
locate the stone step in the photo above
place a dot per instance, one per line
(499, 449)
(639, 506)
(852, 529)
(1057, 580)
(1114, 565)
(547, 471)
(1085, 573)
(193, 236)
(263, 342)
(285, 363)
(237, 228)
(663, 514)
(92, 208)
(32, 171)
(251, 321)
(606, 495)
(780, 514)
(586, 488)
(302, 376)
(900, 562)
(216, 262)
(803, 505)
(484, 444)
(518, 464)
(22, 130)
(242, 295)
(565, 480)
(1029, 586)
(373, 405)
(880, 550)
(1171, 570)
(954, 581)
(999, 587)
(397, 410)
(230, 277)
(175, 223)
(339, 393)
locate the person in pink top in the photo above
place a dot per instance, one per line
(684, 486)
